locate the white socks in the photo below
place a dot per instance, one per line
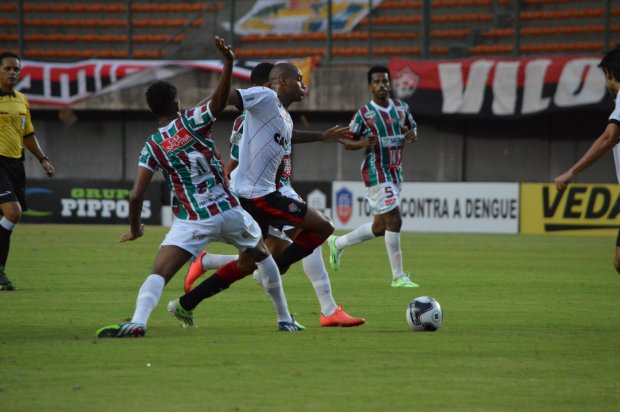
(392, 244)
(358, 235)
(272, 284)
(315, 271)
(211, 261)
(148, 296)
(7, 224)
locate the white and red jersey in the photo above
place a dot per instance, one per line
(266, 138)
(235, 140)
(614, 117)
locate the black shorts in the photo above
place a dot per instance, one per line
(618, 238)
(274, 210)
(13, 181)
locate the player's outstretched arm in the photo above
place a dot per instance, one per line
(219, 99)
(604, 143)
(143, 179)
(356, 144)
(331, 135)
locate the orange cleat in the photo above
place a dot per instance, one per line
(341, 318)
(195, 271)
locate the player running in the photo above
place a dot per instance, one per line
(205, 208)
(389, 124)
(267, 136)
(331, 313)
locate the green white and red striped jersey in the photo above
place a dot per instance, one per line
(381, 162)
(185, 152)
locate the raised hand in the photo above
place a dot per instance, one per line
(224, 50)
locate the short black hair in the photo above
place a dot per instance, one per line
(260, 73)
(611, 62)
(378, 69)
(6, 54)
(162, 97)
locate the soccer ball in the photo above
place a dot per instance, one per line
(424, 314)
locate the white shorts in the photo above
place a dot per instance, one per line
(383, 197)
(286, 191)
(234, 226)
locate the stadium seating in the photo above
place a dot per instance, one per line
(458, 28)
(79, 30)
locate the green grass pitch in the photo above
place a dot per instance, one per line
(531, 323)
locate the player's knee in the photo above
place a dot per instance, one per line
(14, 215)
(329, 226)
(257, 253)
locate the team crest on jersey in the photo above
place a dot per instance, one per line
(180, 139)
(293, 208)
(344, 205)
(405, 83)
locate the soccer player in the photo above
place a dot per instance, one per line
(331, 313)
(608, 140)
(205, 208)
(267, 136)
(388, 124)
(16, 131)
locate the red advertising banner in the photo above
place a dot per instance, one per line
(494, 87)
(61, 84)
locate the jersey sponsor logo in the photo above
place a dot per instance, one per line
(178, 140)
(279, 139)
(293, 208)
(344, 204)
(369, 115)
(390, 201)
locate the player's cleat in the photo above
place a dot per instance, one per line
(404, 282)
(341, 318)
(334, 252)
(122, 330)
(195, 271)
(185, 317)
(292, 326)
(5, 283)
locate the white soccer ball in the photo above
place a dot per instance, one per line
(424, 314)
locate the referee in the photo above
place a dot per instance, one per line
(16, 131)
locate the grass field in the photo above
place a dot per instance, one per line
(531, 323)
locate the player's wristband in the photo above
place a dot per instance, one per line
(44, 158)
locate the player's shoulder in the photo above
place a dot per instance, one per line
(365, 108)
(399, 103)
(257, 91)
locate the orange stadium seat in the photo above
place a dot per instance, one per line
(8, 7)
(491, 49)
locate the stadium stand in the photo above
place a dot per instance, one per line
(458, 28)
(80, 30)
